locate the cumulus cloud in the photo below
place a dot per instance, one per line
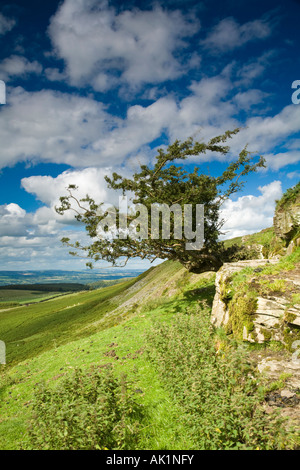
(280, 160)
(18, 66)
(48, 189)
(246, 99)
(29, 240)
(58, 127)
(265, 133)
(104, 48)
(228, 34)
(250, 214)
(13, 220)
(52, 127)
(29, 236)
(6, 24)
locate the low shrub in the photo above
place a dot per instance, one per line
(92, 410)
(217, 390)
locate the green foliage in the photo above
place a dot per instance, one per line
(170, 184)
(267, 287)
(218, 393)
(289, 197)
(196, 388)
(15, 297)
(278, 384)
(89, 410)
(285, 263)
(249, 245)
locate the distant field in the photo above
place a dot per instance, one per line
(18, 294)
(87, 276)
(22, 296)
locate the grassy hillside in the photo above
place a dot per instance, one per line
(188, 385)
(30, 329)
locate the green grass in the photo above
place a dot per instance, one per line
(30, 330)
(126, 341)
(8, 296)
(48, 341)
(289, 197)
(264, 237)
(45, 342)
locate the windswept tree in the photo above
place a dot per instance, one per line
(167, 184)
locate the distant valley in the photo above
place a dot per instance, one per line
(52, 276)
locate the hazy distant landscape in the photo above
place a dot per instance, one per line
(51, 276)
(23, 287)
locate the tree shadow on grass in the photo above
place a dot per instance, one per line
(201, 294)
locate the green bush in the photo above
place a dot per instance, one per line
(218, 393)
(91, 410)
(289, 197)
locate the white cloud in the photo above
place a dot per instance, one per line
(18, 66)
(57, 127)
(13, 221)
(49, 126)
(141, 126)
(293, 174)
(250, 214)
(264, 134)
(48, 189)
(228, 34)
(280, 160)
(52, 127)
(247, 99)
(98, 44)
(6, 24)
(33, 241)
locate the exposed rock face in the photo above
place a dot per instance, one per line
(273, 318)
(274, 368)
(273, 315)
(220, 315)
(285, 399)
(286, 220)
(269, 315)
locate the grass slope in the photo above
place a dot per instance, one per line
(46, 341)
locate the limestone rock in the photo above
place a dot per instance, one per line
(286, 219)
(274, 368)
(220, 315)
(273, 316)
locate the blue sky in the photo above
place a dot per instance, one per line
(95, 86)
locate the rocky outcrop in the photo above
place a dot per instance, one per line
(257, 314)
(262, 318)
(220, 314)
(259, 305)
(286, 219)
(285, 374)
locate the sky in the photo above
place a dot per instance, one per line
(95, 87)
